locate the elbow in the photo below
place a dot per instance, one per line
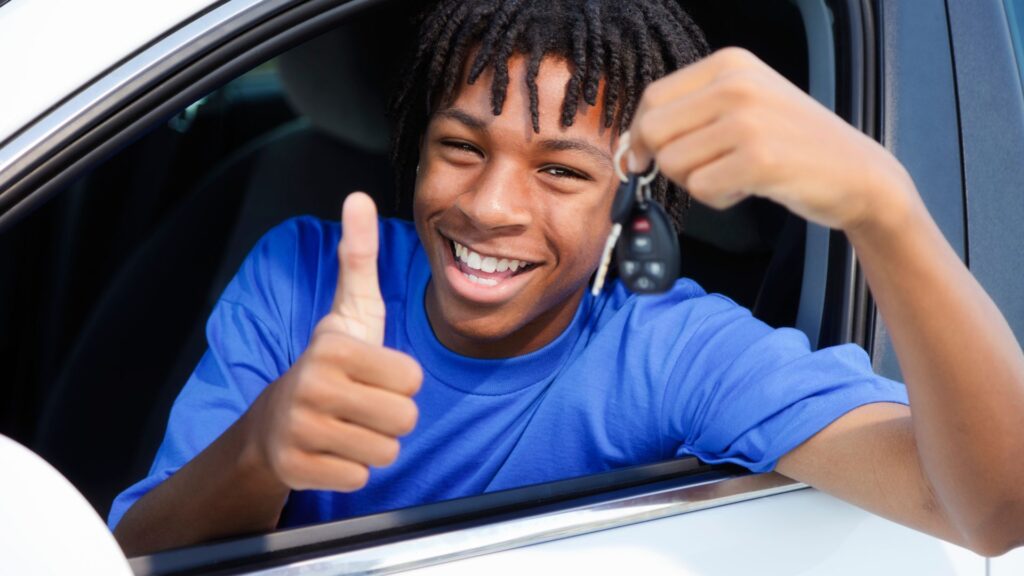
(998, 532)
(990, 547)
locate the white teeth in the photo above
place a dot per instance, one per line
(483, 281)
(487, 264)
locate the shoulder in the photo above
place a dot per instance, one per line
(307, 244)
(686, 304)
(291, 272)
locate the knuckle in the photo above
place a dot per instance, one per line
(650, 126)
(699, 187)
(655, 94)
(667, 162)
(744, 125)
(294, 430)
(760, 156)
(735, 57)
(285, 463)
(740, 88)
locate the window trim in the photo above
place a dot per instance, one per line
(162, 79)
(454, 529)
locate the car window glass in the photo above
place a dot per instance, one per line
(1015, 14)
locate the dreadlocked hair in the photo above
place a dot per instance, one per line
(628, 43)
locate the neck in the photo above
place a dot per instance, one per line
(529, 337)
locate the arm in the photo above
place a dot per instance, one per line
(224, 490)
(961, 456)
(338, 410)
(729, 127)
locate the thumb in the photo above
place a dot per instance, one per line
(357, 297)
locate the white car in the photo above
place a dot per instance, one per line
(144, 147)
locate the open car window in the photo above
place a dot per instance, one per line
(103, 321)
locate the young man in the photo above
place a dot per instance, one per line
(507, 125)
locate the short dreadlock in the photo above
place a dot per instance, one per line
(629, 43)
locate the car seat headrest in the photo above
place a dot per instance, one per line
(331, 80)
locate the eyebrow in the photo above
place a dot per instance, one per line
(560, 144)
(550, 144)
(464, 117)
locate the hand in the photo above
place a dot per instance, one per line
(729, 127)
(344, 403)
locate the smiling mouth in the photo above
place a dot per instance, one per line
(486, 270)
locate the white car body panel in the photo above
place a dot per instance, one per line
(1010, 564)
(803, 532)
(46, 525)
(52, 48)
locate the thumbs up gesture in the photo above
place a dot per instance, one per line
(345, 402)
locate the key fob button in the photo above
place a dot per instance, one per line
(629, 267)
(643, 283)
(655, 269)
(642, 244)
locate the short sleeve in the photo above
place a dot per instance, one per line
(247, 337)
(746, 393)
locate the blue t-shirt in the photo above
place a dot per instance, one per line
(632, 380)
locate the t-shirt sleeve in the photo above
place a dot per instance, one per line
(247, 336)
(747, 393)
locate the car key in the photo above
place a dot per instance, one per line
(648, 250)
(648, 255)
(622, 207)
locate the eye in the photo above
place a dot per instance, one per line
(461, 146)
(563, 172)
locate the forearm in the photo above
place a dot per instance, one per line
(223, 491)
(961, 362)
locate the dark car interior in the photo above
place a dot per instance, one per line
(107, 287)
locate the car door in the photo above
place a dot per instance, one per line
(886, 67)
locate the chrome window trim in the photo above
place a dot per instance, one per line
(31, 144)
(498, 536)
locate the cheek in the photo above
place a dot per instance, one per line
(430, 194)
(582, 237)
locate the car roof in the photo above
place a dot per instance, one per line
(55, 47)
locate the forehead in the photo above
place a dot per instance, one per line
(518, 111)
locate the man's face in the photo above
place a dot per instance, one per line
(513, 221)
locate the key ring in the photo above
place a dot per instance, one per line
(644, 180)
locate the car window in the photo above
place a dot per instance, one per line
(1015, 14)
(104, 319)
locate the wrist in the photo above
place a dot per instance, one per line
(253, 455)
(892, 203)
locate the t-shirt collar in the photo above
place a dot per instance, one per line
(475, 375)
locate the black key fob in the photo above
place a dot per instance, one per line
(648, 250)
(625, 197)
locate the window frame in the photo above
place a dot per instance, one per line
(219, 46)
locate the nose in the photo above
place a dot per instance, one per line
(499, 199)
